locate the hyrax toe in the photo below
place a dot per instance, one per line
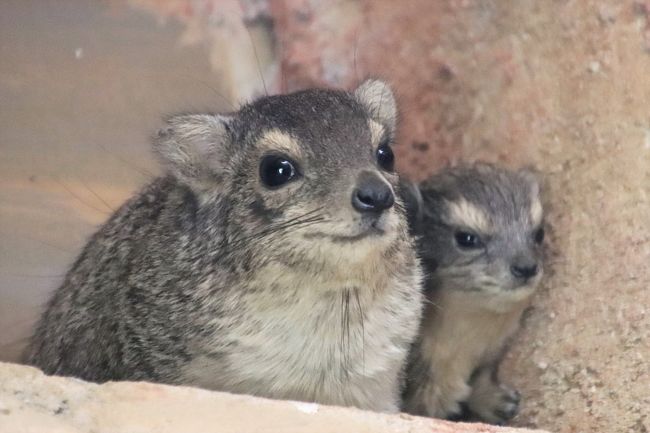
(508, 406)
(495, 406)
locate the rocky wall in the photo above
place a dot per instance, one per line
(563, 86)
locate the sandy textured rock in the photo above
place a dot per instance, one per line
(562, 85)
(33, 402)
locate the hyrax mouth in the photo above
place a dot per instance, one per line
(366, 227)
(372, 231)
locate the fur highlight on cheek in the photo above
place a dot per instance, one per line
(536, 212)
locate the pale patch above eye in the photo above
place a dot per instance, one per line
(275, 140)
(463, 213)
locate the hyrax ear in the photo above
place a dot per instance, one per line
(533, 177)
(196, 147)
(377, 97)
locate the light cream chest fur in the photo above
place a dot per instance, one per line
(319, 342)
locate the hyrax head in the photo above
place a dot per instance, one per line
(295, 173)
(482, 229)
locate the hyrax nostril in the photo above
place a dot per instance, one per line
(372, 194)
(524, 272)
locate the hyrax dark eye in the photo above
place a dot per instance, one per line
(539, 236)
(276, 170)
(385, 157)
(468, 240)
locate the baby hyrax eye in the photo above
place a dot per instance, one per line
(539, 235)
(385, 156)
(277, 170)
(468, 240)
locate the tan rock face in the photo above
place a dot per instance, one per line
(33, 402)
(563, 86)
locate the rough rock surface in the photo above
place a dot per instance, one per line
(562, 85)
(33, 402)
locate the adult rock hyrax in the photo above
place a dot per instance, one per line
(480, 238)
(273, 259)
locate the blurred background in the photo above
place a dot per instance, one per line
(558, 84)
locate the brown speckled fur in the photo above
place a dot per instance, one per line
(209, 278)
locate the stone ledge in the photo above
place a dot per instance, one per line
(33, 402)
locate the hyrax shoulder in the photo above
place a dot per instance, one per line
(480, 233)
(272, 259)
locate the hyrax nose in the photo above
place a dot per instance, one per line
(372, 194)
(524, 270)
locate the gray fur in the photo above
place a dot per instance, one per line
(474, 301)
(209, 278)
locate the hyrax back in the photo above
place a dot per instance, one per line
(273, 259)
(480, 234)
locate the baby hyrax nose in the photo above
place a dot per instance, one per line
(372, 194)
(524, 271)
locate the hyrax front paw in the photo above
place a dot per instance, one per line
(507, 406)
(495, 405)
(438, 399)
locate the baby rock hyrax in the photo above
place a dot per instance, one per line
(273, 259)
(480, 234)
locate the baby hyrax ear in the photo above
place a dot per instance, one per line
(412, 197)
(196, 147)
(532, 177)
(377, 97)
